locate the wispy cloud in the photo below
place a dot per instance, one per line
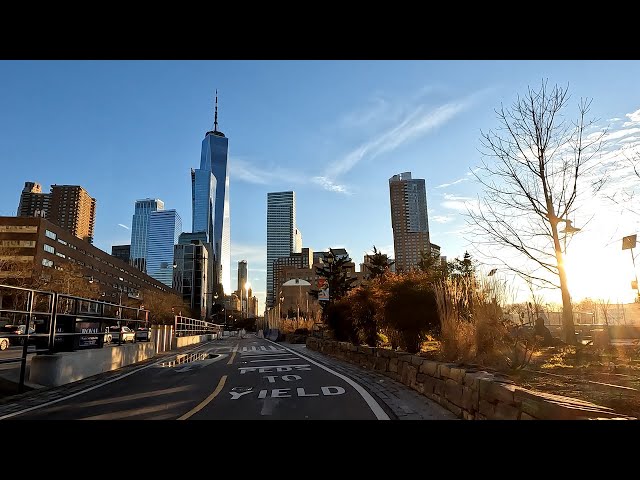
(633, 117)
(442, 218)
(123, 226)
(456, 202)
(418, 123)
(250, 253)
(246, 171)
(455, 182)
(376, 110)
(330, 185)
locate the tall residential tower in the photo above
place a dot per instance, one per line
(73, 209)
(408, 220)
(33, 203)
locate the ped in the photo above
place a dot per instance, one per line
(283, 392)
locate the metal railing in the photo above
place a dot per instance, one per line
(186, 327)
(51, 322)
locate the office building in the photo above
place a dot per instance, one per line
(33, 203)
(281, 227)
(140, 229)
(409, 220)
(193, 258)
(297, 241)
(242, 278)
(163, 233)
(302, 260)
(73, 209)
(47, 246)
(123, 252)
(210, 199)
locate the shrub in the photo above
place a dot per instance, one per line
(474, 328)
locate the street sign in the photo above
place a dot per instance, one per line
(323, 290)
(629, 242)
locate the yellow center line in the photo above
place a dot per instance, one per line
(233, 355)
(206, 401)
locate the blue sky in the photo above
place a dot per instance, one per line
(333, 131)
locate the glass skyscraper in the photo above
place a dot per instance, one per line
(139, 229)
(281, 233)
(164, 230)
(208, 196)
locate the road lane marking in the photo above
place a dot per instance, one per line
(233, 355)
(373, 405)
(119, 377)
(206, 401)
(279, 368)
(271, 360)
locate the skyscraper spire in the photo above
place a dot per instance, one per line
(215, 122)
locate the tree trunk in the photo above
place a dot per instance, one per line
(568, 329)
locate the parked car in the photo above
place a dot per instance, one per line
(113, 334)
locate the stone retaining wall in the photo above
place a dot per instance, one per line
(468, 392)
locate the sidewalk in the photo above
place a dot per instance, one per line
(405, 403)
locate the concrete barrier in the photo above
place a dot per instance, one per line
(180, 342)
(66, 367)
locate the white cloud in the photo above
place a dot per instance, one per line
(456, 202)
(246, 171)
(442, 218)
(123, 226)
(377, 109)
(418, 123)
(250, 253)
(455, 182)
(633, 116)
(331, 186)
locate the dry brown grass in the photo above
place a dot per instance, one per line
(291, 325)
(473, 328)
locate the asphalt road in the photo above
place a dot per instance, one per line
(241, 379)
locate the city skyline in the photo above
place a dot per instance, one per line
(334, 132)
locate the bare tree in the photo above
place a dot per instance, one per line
(534, 168)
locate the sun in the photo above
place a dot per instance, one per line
(599, 273)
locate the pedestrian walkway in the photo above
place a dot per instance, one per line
(405, 403)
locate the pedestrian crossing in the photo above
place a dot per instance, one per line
(262, 348)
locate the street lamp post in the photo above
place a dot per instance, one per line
(569, 229)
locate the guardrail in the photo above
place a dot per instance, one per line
(186, 327)
(51, 322)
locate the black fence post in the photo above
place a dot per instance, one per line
(53, 321)
(25, 346)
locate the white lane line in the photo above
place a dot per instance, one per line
(373, 405)
(272, 360)
(120, 377)
(267, 355)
